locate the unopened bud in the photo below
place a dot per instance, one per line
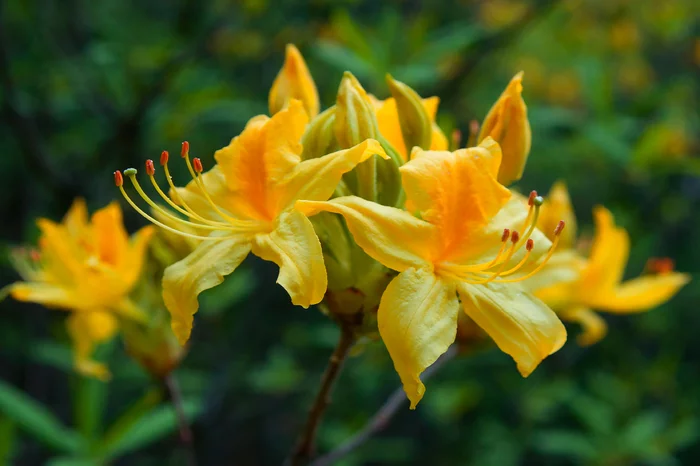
(355, 119)
(416, 126)
(319, 137)
(507, 123)
(294, 82)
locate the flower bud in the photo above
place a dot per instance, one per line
(355, 119)
(294, 82)
(507, 123)
(319, 138)
(153, 345)
(416, 126)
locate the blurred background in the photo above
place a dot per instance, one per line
(87, 87)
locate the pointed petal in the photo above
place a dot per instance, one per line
(389, 235)
(111, 238)
(203, 269)
(294, 82)
(316, 179)
(76, 219)
(640, 294)
(294, 247)
(556, 207)
(455, 191)
(520, 324)
(594, 327)
(608, 257)
(131, 264)
(417, 320)
(87, 330)
(46, 294)
(59, 253)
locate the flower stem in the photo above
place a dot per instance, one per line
(185, 432)
(306, 443)
(381, 419)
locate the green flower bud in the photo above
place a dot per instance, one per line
(416, 126)
(319, 138)
(355, 119)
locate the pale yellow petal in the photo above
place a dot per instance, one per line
(389, 235)
(609, 254)
(294, 247)
(61, 258)
(316, 179)
(46, 294)
(520, 324)
(203, 269)
(640, 294)
(557, 283)
(76, 219)
(593, 326)
(556, 207)
(87, 330)
(417, 320)
(131, 264)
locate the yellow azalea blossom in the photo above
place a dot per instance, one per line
(507, 123)
(87, 267)
(460, 242)
(574, 285)
(245, 204)
(389, 126)
(294, 82)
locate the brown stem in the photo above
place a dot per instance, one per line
(305, 445)
(185, 432)
(381, 419)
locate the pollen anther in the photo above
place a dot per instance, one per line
(506, 235)
(559, 228)
(184, 152)
(164, 156)
(197, 165)
(530, 244)
(150, 168)
(118, 179)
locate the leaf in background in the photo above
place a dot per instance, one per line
(36, 420)
(53, 354)
(343, 59)
(565, 443)
(73, 462)
(7, 439)
(150, 427)
(89, 401)
(352, 37)
(131, 416)
(447, 41)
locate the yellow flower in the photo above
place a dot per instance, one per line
(507, 123)
(460, 243)
(390, 127)
(245, 204)
(88, 267)
(294, 82)
(574, 285)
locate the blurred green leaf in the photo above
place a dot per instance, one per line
(7, 439)
(126, 422)
(565, 443)
(36, 420)
(73, 462)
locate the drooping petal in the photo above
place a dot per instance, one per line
(594, 327)
(456, 191)
(556, 207)
(389, 235)
(47, 294)
(417, 320)
(609, 254)
(203, 269)
(316, 179)
(294, 247)
(640, 294)
(520, 324)
(87, 330)
(294, 81)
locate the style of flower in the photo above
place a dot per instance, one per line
(455, 239)
(574, 285)
(88, 267)
(245, 204)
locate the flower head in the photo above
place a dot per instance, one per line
(461, 235)
(573, 285)
(89, 267)
(294, 82)
(245, 204)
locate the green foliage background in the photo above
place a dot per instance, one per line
(613, 91)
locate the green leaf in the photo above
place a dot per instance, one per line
(131, 416)
(7, 439)
(343, 59)
(36, 420)
(152, 426)
(566, 443)
(69, 461)
(89, 401)
(447, 42)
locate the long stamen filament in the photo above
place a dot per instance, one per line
(198, 180)
(538, 268)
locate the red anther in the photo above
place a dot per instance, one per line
(456, 138)
(164, 156)
(531, 199)
(660, 265)
(197, 165)
(515, 237)
(530, 244)
(559, 227)
(474, 127)
(185, 149)
(34, 255)
(506, 235)
(118, 179)
(150, 169)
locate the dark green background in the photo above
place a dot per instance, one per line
(87, 87)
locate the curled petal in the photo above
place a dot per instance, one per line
(594, 327)
(641, 294)
(87, 330)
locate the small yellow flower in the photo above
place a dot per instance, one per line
(390, 127)
(294, 82)
(459, 242)
(574, 285)
(245, 204)
(507, 123)
(88, 267)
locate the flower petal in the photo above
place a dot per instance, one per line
(87, 330)
(111, 238)
(76, 219)
(294, 247)
(520, 324)
(557, 283)
(594, 327)
(456, 191)
(389, 235)
(556, 207)
(609, 254)
(641, 294)
(131, 264)
(294, 81)
(417, 320)
(316, 179)
(46, 294)
(203, 269)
